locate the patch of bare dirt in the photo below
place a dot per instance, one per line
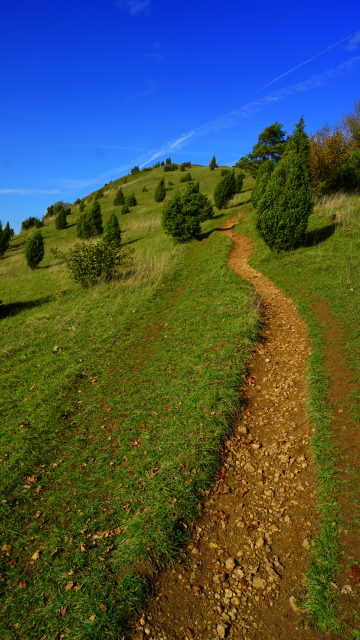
(241, 575)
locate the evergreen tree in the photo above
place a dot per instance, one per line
(225, 189)
(112, 230)
(160, 191)
(178, 221)
(61, 218)
(131, 200)
(239, 181)
(284, 209)
(5, 234)
(90, 223)
(119, 198)
(262, 178)
(270, 146)
(82, 206)
(34, 249)
(135, 170)
(197, 204)
(168, 161)
(125, 208)
(213, 164)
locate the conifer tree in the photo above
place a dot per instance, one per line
(160, 191)
(112, 230)
(213, 164)
(90, 222)
(34, 249)
(262, 178)
(284, 209)
(239, 181)
(225, 189)
(119, 198)
(61, 218)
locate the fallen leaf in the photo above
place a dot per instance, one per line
(355, 573)
(36, 555)
(92, 617)
(82, 547)
(102, 607)
(22, 584)
(69, 585)
(6, 547)
(63, 610)
(78, 587)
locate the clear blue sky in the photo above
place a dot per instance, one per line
(89, 89)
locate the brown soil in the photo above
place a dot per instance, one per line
(243, 569)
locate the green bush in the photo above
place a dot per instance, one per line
(160, 191)
(284, 209)
(119, 198)
(213, 164)
(34, 249)
(171, 167)
(82, 206)
(225, 189)
(182, 215)
(5, 234)
(125, 208)
(90, 223)
(112, 231)
(91, 263)
(346, 178)
(239, 182)
(131, 200)
(186, 178)
(61, 215)
(135, 170)
(185, 165)
(31, 222)
(262, 178)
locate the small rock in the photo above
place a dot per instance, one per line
(259, 583)
(230, 564)
(259, 543)
(249, 468)
(221, 630)
(228, 593)
(293, 605)
(306, 544)
(347, 588)
(56, 348)
(243, 430)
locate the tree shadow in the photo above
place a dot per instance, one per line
(238, 204)
(13, 308)
(316, 236)
(207, 234)
(123, 244)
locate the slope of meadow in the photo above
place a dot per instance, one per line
(115, 401)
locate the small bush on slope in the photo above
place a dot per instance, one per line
(90, 263)
(34, 249)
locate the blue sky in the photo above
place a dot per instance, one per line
(89, 89)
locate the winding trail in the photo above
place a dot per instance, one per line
(243, 569)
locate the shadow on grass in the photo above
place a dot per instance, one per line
(316, 236)
(13, 308)
(123, 244)
(206, 234)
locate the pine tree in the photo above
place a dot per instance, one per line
(90, 223)
(119, 198)
(160, 191)
(213, 164)
(34, 249)
(61, 218)
(112, 230)
(284, 209)
(239, 181)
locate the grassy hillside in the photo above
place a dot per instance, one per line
(323, 280)
(114, 403)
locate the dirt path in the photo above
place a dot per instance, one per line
(250, 547)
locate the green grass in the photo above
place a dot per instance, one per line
(108, 440)
(327, 269)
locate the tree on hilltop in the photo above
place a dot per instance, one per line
(213, 164)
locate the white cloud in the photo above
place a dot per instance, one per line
(28, 192)
(354, 42)
(134, 7)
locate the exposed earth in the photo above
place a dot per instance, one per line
(241, 574)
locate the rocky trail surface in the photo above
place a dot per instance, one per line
(241, 574)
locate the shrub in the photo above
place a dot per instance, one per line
(182, 215)
(61, 215)
(135, 170)
(144, 189)
(31, 222)
(125, 208)
(34, 249)
(119, 198)
(346, 178)
(262, 178)
(171, 167)
(131, 200)
(239, 181)
(225, 189)
(168, 161)
(82, 206)
(99, 194)
(5, 235)
(90, 223)
(160, 191)
(91, 263)
(283, 210)
(185, 165)
(186, 178)
(112, 231)
(213, 164)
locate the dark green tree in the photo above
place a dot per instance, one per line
(160, 191)
(135, 170)
(270, 146)
(213, 164)
(112, 231)
(131, 200)
(5, 234)
(284, 209)
(178, 221)
(186, 178)
(262, 178)
(225, 189)
(239, 181)
(89, 224)
(196, 203)
(31, 222)
(61, 217)
(168, 161)
(119, 197)
(125, 208)
(34, 249)
(82, 206)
